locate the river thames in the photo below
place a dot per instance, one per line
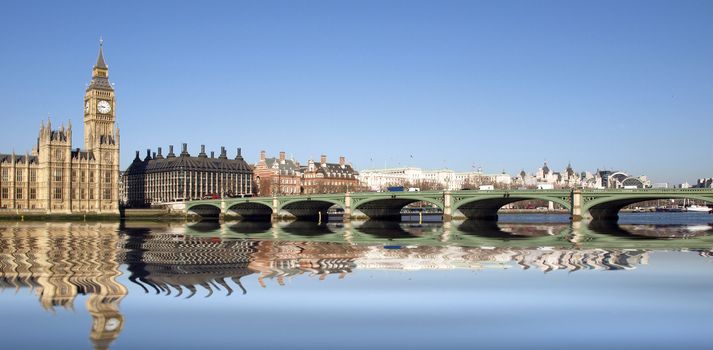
(529, 281)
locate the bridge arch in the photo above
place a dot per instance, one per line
(310, 209)
(204, 210)
(486, 207)
(606, 207)
(252, 211)
(389, 208)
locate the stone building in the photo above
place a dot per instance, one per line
(55, 177)
(278, 176)
(159, 179)
(323, 177)
(282, 176)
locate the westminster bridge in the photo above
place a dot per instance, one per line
(582, 204)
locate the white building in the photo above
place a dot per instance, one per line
(429, 179)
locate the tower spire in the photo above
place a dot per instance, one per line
(100, 59)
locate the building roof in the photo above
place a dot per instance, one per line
(332, 169)
(288, 167)
(83, 155)
(99, 82)
(187, 162)
(7, 158)
(100, 59)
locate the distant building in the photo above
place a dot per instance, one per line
(282, 176)
(704, 183)
(323, 177)
(156, 179)
(277, 176)
(433, 179)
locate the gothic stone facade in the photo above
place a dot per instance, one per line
(57, 178)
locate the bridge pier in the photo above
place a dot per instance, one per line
(576, 212)
(275, 216)
(447, 206)
(347, 208)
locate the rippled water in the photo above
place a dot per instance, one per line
(526, 282)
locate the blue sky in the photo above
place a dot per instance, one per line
(501, 85)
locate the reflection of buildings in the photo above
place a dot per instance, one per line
(59, 262)
(173, 262)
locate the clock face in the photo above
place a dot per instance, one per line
(104, 107)
(86, 107)
(111, 324)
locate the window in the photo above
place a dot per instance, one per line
(5, 175)
(74, 176)
(57, 174)
(5, 193)
(33, 193)
(18, 175)
(107, 176)
(18, 193)
(33, 175)
(91, 194)
(82, 194)
(58, 193)
(107, 193)
(91, 176)
(58, 154)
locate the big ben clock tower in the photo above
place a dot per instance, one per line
(99, 106)
(101, 139)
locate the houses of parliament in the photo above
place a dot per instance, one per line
(57, 178)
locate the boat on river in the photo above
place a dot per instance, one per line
(698, 208)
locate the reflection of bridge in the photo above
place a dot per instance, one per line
(60, 261)
(479, 205)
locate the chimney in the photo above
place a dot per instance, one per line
(137, 156)
(184, 151)
(282, 156)
(262, 155)
(212, 154)
(342, 161)
(159, 155)
(202, 154)
(148, 154)
(240, 154)
(323, 159)
(223, 153)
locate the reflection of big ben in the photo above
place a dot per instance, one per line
(107, 320)
(74, 259)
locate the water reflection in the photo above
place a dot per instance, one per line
(510, 230)
(60, 261)
(248, 227)
(307, 228)
(649, 231)
(389, 229)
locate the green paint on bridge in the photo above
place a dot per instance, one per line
(583, 204)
